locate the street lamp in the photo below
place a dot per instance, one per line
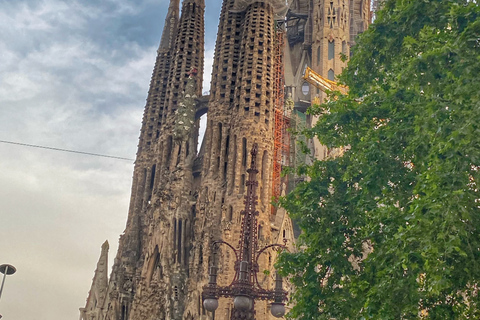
(245, 288)
(6, 269)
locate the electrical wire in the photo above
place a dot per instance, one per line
(65, 150)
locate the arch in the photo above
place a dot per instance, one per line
(201, 110)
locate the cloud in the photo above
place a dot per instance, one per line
(74, 75)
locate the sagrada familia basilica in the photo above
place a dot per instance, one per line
(184, 198)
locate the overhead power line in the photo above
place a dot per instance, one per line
(65, 150)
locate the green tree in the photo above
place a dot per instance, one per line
(406, 188)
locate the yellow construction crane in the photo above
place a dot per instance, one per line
(323, 83)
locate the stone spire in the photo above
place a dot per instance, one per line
(101, 274)
(171, 26)
(150, 274)
(153, 115)
(98, 290)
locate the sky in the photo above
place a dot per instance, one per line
(74, 74)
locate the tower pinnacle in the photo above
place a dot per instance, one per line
(98, 290)
(171, 25)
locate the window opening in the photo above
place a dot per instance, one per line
(318, 55)
(242, 184)
(174, 237)
(331, 49)
(179, 247)
(234, 164)
(331, 75)
(152, 176)
(244, 152)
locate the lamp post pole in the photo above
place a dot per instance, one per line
(6, 269)
(245, 288)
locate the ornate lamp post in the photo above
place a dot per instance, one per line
(6, 269)
(245, 288)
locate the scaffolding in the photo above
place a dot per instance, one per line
(281, 147)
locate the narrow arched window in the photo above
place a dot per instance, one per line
(225, 157)
(331, 49)
(168, 151)
(331, 75)
(179, 242)
(319, 56)
(152, 181)
(242, 184)
(260, 232)
(174, 238)
(244, 152)
(219, 146)
(233, 165)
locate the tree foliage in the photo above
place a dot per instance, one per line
(406, 188)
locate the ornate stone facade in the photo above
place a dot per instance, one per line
(319, 31)
(183, 199)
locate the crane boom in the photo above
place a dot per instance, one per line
(323, 83)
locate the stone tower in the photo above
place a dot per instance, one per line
(182, 198)
(319, 31)
(240, 113)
